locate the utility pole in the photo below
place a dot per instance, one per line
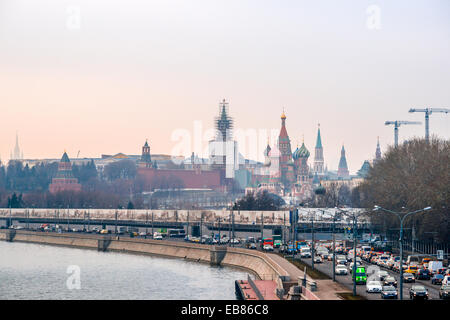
(152, 225)
(262, 226)
(334, 248)
(187, 231)
(146, 223)
(312, 240)
(115, 226)
(400, 240)
(428, 112)
(354, 254)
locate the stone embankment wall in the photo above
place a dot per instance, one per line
(257, 263)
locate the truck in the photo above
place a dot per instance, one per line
(434, 266)
(276, 240)
(301, 244)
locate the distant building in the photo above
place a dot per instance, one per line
(362, 173)
(64, 180)
(17, 154)
(155, 177)
(318, 156)
(377, 152)
(223, 150)
(343, 169)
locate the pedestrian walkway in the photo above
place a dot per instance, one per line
(326, 289)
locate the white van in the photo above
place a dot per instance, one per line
(305, 252)
(433, 266)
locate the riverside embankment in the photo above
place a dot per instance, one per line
(257, 263)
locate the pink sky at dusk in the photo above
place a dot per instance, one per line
(143, 69)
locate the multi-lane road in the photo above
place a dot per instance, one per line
(371, 269)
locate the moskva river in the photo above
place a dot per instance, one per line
(33, 271)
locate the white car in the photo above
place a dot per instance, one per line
(382, 275)
(267, 247)
(234, 241)
(374, 287)
(157, 236)
(351, 265)
(318, 259)
(341, 269)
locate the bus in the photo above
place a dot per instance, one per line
(276, 240)
(268, 241)
(360, 275)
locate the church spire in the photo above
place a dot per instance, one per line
(378, 151)
(318, 156)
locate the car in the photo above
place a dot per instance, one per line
(224, 240)
(234, 241)
(418, 292)
(305, 253)
(268, 247)
(382, 275)
(103, 231)
(389, 292)
(390, 281)
(341, 269)
(437, 279)
(341, 260)
(252, 246)
(412, 269)
(318, 259)
(408, 277)
(444, 292)
(373, 287)
(157, 236)
(350, 267)
(423, 274)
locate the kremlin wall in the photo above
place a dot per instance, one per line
(289, 174)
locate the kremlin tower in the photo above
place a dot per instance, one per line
(146, 160)
(377, 152)
(343, 169)
(318, 156)
(64, 180)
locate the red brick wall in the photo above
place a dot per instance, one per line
(190, 178)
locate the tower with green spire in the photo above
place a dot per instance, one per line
(318, 156)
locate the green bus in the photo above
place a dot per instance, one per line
(276, 240)
(360, 275)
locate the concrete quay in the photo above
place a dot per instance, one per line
(274, 274)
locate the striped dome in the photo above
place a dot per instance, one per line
(300, 153)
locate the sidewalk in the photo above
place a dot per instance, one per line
(326, 289)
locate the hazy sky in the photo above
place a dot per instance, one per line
(122, 71)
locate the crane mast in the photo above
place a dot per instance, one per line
(428, 112)
(397, 124)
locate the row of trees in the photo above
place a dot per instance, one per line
(262, 200)
(410, 177)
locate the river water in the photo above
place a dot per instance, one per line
(33, 271)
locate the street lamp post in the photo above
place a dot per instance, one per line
(354, 254)
(312, 241)
(401, 238)
(355, 223)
